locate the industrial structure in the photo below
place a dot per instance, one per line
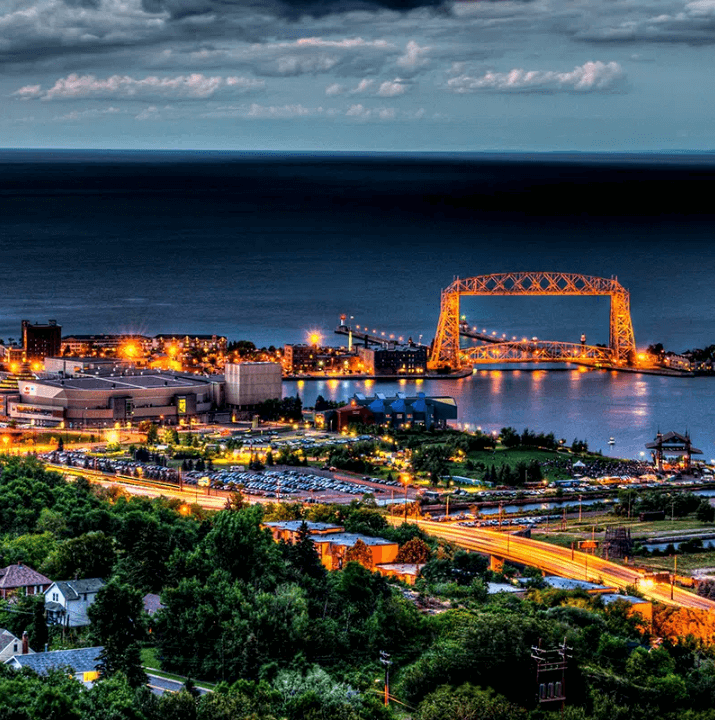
(446, 351)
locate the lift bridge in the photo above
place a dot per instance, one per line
(446, 351)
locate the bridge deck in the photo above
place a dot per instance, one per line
(557, 560)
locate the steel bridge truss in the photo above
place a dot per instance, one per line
(536, 351)
(621, 350)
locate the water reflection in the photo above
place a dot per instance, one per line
(591, 405)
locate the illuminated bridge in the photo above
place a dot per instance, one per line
(621, 349)
(555, 560)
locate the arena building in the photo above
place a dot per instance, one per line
(108, 399)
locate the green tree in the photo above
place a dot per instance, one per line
(91, 555)
(152, 434)
(467, 703)
(116, 624)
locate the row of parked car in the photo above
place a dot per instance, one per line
(274, 483)
(130, 468)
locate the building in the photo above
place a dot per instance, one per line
(11, 645)
(66, 601)
(251, 383)
(125, 397)
(395, 411)
(408, 359)
(333, 544)
(183, 342)
(40, 341)
(103, 344)
(70, 366)
(19, 578)
(672, 443)
(82, 662)
(300, 358)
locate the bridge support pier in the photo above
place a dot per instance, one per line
(496, 564)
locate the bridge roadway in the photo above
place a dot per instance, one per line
(555, 560)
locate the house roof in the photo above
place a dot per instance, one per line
(15, 576)
(72, 589)
(6, 637)
(81, 660)
(350, 539)
(152, 603)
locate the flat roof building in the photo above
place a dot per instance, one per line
(104, 400)
(251, 383)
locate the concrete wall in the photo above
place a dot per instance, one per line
(252, 383)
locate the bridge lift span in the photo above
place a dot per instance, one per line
(621, 349)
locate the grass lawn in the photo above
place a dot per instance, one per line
(151, 664)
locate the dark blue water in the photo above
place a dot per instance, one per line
(267, 246)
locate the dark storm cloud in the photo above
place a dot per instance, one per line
(288, 8)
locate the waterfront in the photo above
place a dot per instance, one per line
(588, 405)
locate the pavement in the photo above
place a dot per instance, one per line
(555, 560)
(161, 685)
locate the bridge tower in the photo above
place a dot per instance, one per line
(446, 352)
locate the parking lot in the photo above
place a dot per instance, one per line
(300, 484)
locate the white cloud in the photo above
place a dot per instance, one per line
(28, 92)
(363, 86)
(392, 89)
(89, 114)
(334, 89)
(360, 112)
(414, 56)
(589, 77)
(194, 86)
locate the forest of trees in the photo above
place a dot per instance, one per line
(283, 638)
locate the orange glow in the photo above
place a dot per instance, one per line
(315, 338)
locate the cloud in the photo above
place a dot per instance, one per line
(414, 56)
(360, 112)
(392, 89)
(288, 8)
(194, 86)
(589, 77)
(89, 114)
(334, 89)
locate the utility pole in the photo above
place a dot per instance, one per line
(385, 660)
(580, 498)
(675, 573)
(446, 514)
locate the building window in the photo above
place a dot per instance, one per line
(14, 647)
(54, 597)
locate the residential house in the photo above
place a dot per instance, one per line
(11, 645)
(66, 601)
(83, 663)
(16, 579)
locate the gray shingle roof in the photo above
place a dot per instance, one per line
(72, 589)
(80, 660)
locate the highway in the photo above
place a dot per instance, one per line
(555, 560)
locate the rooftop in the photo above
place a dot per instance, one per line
(81, 660)
(72, 589)
(127, 381)
(343, 538)
(15, 576)
(294, 525)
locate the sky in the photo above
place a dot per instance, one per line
(364, 75)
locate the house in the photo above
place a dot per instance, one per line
(16, 579)
(333, 549)
(152, 604)
(82, 663)
(66, 601)
(11, 645)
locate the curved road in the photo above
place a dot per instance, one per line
(561, 561)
